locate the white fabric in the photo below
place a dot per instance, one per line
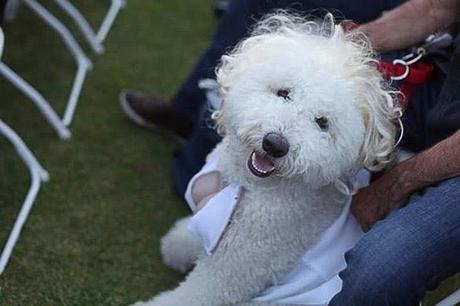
(315, 280)
(210, 222)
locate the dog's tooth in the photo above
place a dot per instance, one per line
(253, 159)
(253, 165)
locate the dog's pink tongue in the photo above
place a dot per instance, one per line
(262, 163)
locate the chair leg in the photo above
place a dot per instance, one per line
(82, 24)
(38, 175)
(74, 94)
(37, 99)
(453, 299)
(83, 63)
(109, 18)
(94, 39)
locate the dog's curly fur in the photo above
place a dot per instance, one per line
(327, 73)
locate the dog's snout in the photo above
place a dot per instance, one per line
(275, 144)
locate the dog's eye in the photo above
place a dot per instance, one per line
(322, 122)
(283, 93)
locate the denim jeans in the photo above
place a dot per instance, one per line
(407, 253)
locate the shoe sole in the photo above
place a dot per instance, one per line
(132, 115)
(139, 121)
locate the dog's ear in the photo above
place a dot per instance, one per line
(225, 77)
(375, 99)
(380, 113)
(225, 71)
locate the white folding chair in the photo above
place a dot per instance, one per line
(82, 61)
(83, 66)
(451, 300)
(95, 40)
(34, 95)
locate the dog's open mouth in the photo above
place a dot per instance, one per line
(260, 165)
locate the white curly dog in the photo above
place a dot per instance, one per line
(304, 109)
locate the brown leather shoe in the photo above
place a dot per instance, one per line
(152, 111)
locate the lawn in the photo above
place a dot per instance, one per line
(93, 234)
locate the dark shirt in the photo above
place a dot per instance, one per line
(434, 112)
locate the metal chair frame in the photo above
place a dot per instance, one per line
(452, 299)
(82, 61)
(38, 175)
(94, 39)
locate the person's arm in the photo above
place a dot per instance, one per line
(395, 186)
(410, 23)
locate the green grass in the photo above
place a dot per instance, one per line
(93, 234)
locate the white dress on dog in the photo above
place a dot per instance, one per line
(315, 279)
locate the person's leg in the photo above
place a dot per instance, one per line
(2, 10)
(183, 113)
(407, 253)
(232, 27)
(193, 154)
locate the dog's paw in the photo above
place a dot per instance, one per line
(140, 304)
(168, 298)
(179, 247)
(152, 302)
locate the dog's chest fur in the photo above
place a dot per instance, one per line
(277, 225)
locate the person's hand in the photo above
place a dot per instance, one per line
(396, 185)
(403, 26)
(376, 201)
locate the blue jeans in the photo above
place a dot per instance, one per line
(407, 253)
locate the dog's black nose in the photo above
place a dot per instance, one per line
(275, 145)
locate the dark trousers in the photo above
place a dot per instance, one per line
(2, 9)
